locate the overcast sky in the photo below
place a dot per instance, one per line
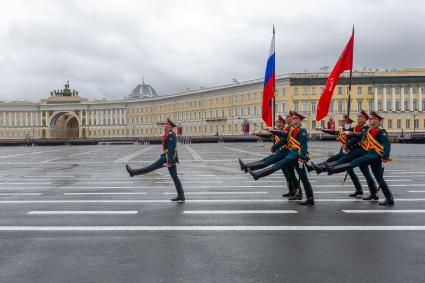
(105, 47)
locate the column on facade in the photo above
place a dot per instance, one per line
(420, 98)
(385, 98)
(411, 99)
(393, 99)
(31, 119)
(402, 98)
(36, 119)
(375, 99)
(4, 119)
(120, 116)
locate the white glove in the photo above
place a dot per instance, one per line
(346, 133)
(347, 126)
(300, 164)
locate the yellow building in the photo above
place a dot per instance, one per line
(398, 94)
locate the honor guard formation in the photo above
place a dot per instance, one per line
(362, 146)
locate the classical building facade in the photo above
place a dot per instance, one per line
(223, 110)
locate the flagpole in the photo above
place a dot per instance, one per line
(274, 94)
(349, 88)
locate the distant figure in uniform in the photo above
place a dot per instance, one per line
(167, 159)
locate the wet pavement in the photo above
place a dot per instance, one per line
(72, 214)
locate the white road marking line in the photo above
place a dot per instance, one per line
(130, 156)
(240, 150)
(190, 201)
(416, 191)
(38, 183)
(20, 194)
(386, 211)
(239, 211)
(189, 182)
(192, 152)
(332, 192)
(32, 153)
(75, 212)
(96, 182)
(204, 228)
(274, 181)
(106, 193)
(217, 193)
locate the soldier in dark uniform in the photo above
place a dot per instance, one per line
(279, 152)
(344, 136)
(357, 147)
(296, 142)
(377, 154)
(168, 158)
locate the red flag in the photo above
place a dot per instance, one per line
(345, 62)
(269, 86)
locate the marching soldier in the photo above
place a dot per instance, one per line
(377, 153)
(348, 137)
(279, 152)
(167, 159)
(296, 142)
(357, 147)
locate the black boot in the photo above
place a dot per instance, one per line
(243, 166)
(307, 201)
(309, 167)
(291, 190)
(129, 170)
(179, 198)
(356, 183)
(320, 167)
(374, 197)
(356, 193)
(260, 173)
(298, 193)
(389, 200)
(333, 169)
(180, 193)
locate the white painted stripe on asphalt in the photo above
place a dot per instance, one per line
(204, 228)
(191, 201)
(239, 211)
(20, 194)
(32, 153)
(217, 193)
(240, 150)
(188, 182)
(385, 211)
(96, 182)
(130, 156)
(81, 212)
(274, 181)
(105, 193)
(31, 183)
(416, 191)
(192, 152)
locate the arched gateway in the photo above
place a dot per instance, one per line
(64, 125)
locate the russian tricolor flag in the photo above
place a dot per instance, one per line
(269, 85)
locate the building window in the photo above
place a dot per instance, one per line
(283, 107)
(398, 123)
(416, 123)
(313, 91)
(331, 107)
(305, 106)
(283, 92)
(339, 90)
(296, 106)
(313, 106)
(305, 91)
(397, 105)
(359, 105)
(388, 105)
(322, 123)
(295, 90)
(313, 124)
(379, 105)
(359, 90)
(248, 111)
(408, 123)
(370, 90)
(340, 106)
(390, 124)
(255, 109)
(415, 104)
(371, 105)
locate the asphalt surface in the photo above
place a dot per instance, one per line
(72, 214)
